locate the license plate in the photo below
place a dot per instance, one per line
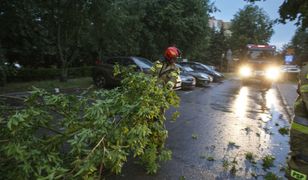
(298, 175)
(259, 73)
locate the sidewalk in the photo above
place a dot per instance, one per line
(288, 95)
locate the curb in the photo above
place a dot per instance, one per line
(286, 106)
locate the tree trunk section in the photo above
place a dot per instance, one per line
(64, 68)
(64, 74)
(3, 77)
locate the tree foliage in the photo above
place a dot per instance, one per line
(300, 44)
(218, 45)
(68, 33)
(251, 25)
(74, 137)
(291, 10)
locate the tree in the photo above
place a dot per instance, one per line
(251, 25)
(300, 44)
(40, 33)
(292, 10)
(217, 46)
(3, 69)
(65, 22)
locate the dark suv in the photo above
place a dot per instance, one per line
(103, 73)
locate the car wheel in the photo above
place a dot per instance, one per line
(100, 81)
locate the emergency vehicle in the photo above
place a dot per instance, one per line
(259, 63)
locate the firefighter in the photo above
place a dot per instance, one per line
(166, 69)
(298, 160)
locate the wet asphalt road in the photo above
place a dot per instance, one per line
(218, 126)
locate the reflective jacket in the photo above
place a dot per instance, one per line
(167, 73)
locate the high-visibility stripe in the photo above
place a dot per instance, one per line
(299, 127)
(304, 88)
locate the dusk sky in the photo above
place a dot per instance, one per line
(283, 32)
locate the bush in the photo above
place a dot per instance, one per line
(80, 137)
(80, 72)
(29, 74)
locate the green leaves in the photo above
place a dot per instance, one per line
(68, 136)
(251, 25)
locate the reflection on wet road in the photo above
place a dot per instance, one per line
(229, 121)
(240, 103)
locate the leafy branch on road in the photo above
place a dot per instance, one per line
(284, 131)
(83, 137)
(194, 136)
(250, 157)
(268, 161)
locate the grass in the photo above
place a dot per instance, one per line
(284, 131)
(48, 85)
(268, 161)
(225, 164)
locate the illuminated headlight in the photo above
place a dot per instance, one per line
(272, 73)
(245, 71)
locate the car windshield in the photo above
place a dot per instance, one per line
(143, 63)
(206, 67)
(258, 54)
(188, 69)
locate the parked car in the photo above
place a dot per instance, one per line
(289, 72)
(199, 67)
(202, 79)
(188, 81)
(103, 75)
(290, 69)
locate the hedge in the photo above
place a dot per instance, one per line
(29, 74)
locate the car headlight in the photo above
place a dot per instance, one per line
(272, 73)
(245, 71)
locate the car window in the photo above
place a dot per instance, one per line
(197, 67)
(205, 67)
(187, 68)
(143, 63)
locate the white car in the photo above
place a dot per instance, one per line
(294, 69)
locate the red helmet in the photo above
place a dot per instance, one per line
(171, 54)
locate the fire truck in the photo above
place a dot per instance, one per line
(259, 64)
